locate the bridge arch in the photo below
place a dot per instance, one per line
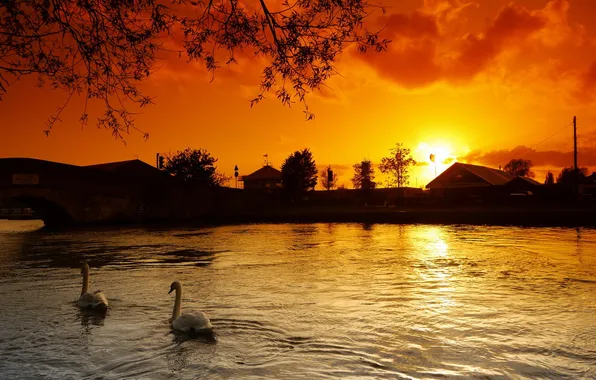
(52, 210)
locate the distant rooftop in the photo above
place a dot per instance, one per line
(265, 173)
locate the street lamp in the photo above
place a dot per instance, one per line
(236, 174)
(432, 159)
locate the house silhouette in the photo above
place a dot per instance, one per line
(266, 178)
(467, 182)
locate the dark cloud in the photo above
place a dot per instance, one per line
(410, 59)
(547, 158)
(420, 54)
(514, 24)
(413, 25)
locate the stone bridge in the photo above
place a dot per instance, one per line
(128, 191)
(68, 194)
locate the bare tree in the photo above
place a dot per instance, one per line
(398, 166)
(328, 182)
(103, 49)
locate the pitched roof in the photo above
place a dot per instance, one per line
(265, 173)
(112, 166)
(531, 181)
(489, 175)
(132, 168)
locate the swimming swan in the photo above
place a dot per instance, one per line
(95, 300)
(195, 322)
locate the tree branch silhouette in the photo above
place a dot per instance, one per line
(104, 49)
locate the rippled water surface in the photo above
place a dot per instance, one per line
(302, 302)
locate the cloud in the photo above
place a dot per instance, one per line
(547, 158)
(587, 84)
(412, 25)
(512, 26)
(422, 53)
(588, 138)
(338, 169)
(411, 58)
(447, 10)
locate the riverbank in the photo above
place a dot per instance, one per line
(503, 216)
(513, 216)
(19, 217)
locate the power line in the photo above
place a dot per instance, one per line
(543, 141)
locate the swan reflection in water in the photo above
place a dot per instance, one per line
(190, 352)
(91, 317)
(205, 337)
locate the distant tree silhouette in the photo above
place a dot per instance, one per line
(519, 167)
(299, 172)
(397, 165)
(103, 49)
(364, 176)
(550, 178)
(341, 187)
(568, 176)
(196, 166)
(328, 185)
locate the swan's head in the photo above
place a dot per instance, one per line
(175, 285)
(84, 267)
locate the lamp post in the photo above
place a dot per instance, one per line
(236, 174)
(432, 159)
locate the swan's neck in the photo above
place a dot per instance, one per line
(85, 281)
(176, 312)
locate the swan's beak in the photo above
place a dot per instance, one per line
(171, 290)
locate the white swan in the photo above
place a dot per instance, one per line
(95, 300)
(195, 322)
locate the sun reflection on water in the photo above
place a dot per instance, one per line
(431, 240)
(436, 269)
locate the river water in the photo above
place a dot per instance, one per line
(308, 301)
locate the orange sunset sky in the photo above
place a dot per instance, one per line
(478, 81)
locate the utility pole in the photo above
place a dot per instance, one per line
(575, 169)
(575, 145)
